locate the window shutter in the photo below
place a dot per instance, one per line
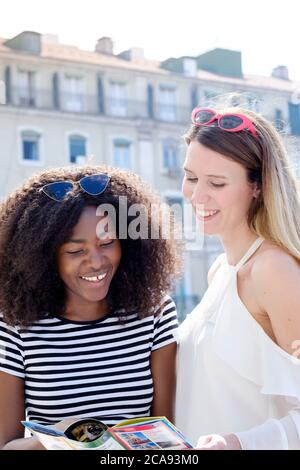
(150, 101)
(294, 115)
(7, 79)
(55, 91)
(100, 90)
(194, 97)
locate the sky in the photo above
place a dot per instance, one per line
(265, 32)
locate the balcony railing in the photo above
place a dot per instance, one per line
(92, 105)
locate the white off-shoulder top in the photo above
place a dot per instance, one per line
(232, 378)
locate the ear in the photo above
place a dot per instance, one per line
(256, 191)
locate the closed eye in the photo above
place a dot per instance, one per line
(108, 243)
(215, 185)
(192, 179)
(74, 252)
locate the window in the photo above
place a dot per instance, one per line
(118, 99)
(121, 156)
(210, 98)
(30, 146)
(236, 100)
(253, 103)
(279, 121)
(73, 96)
(167, 103)
(171, 164)
(176, 204)
(77, 149)
(26, 92)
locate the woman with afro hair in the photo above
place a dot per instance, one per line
(86, 327)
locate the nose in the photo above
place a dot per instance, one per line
(199, 195)
(96, 258)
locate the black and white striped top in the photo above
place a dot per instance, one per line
(97, 369)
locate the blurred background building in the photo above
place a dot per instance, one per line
(61, 105)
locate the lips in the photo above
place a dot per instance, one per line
(94, 277)
(206, 213)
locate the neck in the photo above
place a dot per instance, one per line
(237, 242)
(80, 310)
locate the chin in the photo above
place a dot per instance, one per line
(210, 231)
(96, 297)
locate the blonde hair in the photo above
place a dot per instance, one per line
(275, 214)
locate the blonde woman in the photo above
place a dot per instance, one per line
(239, 355)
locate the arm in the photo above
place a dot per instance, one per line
(12, 412)
(163, 357)
(163, 374)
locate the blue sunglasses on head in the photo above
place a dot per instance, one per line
(91, 184)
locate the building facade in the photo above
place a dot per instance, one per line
(61, 105)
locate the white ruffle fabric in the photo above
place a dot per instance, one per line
(232, 378)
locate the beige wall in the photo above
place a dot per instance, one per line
(55, 128)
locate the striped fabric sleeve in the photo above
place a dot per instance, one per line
(165, 324)
(11, 355)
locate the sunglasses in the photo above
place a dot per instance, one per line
(91, 184)
(229, 122)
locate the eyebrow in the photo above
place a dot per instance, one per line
(84, 241)
(214, 176)
(218, 176)
(186, 169)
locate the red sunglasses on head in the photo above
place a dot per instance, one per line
(229, 122)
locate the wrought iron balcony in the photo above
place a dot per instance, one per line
(93, 105)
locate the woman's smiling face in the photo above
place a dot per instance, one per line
(218, 189)
(87, 263)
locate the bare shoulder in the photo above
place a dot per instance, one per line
(275, 277)
(273, 263)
